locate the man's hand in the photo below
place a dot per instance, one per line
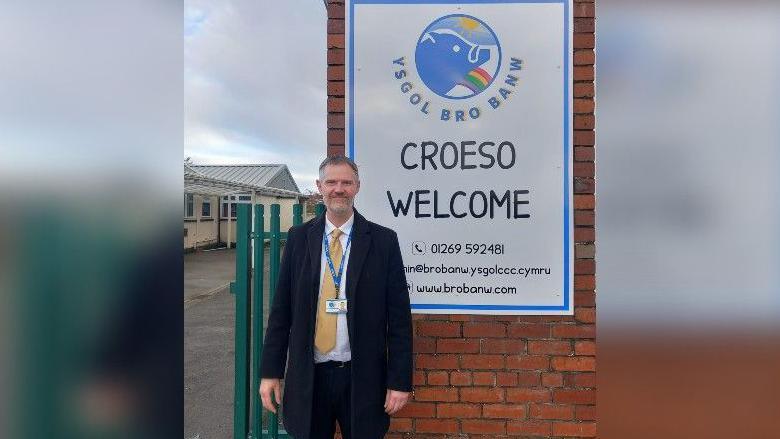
(268, 386)
(395, 400)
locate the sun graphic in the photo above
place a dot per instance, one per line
(469, 25)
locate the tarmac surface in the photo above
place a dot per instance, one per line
(208, 270)
(209, 319)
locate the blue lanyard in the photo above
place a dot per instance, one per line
(336, 277)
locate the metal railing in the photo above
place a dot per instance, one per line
(249, 295)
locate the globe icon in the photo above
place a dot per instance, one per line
(457, 56)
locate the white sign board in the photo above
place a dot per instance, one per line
(459, 116)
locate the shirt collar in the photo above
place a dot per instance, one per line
(346, 228)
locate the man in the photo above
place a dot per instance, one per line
(342, 310)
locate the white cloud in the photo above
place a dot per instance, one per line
(255, 83)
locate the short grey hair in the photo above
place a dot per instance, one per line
(339, 160)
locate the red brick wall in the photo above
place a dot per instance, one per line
(491, 376)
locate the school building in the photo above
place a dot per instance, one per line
(212, 192)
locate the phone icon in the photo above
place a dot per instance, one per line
(418, 248)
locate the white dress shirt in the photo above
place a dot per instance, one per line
(341, 351)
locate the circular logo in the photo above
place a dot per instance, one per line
(457, 56)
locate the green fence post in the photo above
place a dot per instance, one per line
(45, 261)
(273, 423)
(242, 346)
(319, 209)
(297, 214)
(257, 319)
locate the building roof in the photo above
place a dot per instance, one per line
(188, 171)
(274, 180)
(272, 176)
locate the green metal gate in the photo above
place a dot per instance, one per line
(249, 315)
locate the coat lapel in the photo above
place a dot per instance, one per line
(361, 242)
(314, 245)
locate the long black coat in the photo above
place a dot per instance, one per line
(378, 320)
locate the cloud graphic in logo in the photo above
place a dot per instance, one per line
(457, 56)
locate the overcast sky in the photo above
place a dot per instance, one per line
(255, 83)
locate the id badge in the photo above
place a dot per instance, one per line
(336, 306)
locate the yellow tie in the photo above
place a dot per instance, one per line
(325, 334)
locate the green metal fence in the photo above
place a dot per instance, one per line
(250, 262)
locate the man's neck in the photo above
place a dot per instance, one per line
(338, 220)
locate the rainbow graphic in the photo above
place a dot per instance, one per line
(477, 80)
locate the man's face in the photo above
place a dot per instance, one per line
(338, 187)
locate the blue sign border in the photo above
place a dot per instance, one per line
(566, 135)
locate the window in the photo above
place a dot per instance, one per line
(240, 199)
(205, 210)
(189, 205)
(225, 210)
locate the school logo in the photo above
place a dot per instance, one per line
(452, 76)
(457, 56)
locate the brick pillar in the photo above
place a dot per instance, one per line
(488, 376)
(335, 77)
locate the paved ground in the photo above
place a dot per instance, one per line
(205, 271)
(209, 318)
(208, 367)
